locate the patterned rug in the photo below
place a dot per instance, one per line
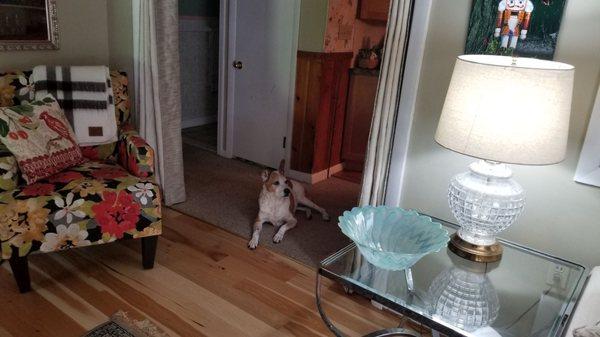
(120, 325)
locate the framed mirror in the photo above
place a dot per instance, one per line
(28, 25)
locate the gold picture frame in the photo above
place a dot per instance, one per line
(28, 25)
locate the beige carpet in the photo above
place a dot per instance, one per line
(224, 192)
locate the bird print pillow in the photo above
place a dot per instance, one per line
(40, 137)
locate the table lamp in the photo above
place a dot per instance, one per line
(501, 110)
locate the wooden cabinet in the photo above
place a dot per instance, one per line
(319, 110)
(376, 10)
(359, 112)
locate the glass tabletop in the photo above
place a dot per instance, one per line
(526, 293)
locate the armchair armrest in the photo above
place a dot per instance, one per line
(9, 172)
(134, 154)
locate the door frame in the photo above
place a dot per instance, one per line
(227, 39)
(408, 98)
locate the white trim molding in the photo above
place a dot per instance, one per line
(225, 122)
(313, 178)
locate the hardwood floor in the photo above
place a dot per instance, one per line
(205, 282)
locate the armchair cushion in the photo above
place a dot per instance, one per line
(93, 203)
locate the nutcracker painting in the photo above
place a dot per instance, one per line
(527, 28)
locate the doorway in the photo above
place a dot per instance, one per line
(259, 124)
(199, 57)
(336, 85)
(258, 62)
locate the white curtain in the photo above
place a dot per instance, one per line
(158, 98)
(383, 124)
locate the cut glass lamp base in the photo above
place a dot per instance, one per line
(485, 201)
(472, 252)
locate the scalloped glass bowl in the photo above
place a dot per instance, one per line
(391, 237)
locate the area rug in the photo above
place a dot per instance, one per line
(121, 325)
(224, 192)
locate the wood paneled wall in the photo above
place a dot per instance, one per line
(319, 110)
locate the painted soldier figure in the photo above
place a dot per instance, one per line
(512, 21)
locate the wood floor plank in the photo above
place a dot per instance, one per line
(185, 297)
(205, 283)
(28, 314)
(215, 278)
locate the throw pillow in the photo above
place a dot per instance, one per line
(40, 137)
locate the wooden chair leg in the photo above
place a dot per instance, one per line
(20, 270)
(149, 251)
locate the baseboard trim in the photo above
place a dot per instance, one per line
(198, 121)
(313, 178)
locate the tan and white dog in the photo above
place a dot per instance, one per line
(279, 199)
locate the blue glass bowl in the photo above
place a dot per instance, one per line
(391, 237)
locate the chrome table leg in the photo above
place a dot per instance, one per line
(381, 333)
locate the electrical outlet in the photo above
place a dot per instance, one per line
(558, 275)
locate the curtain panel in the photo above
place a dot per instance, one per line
(383, 124)
(158, 98)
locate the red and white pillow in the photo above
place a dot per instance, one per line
(40, 137)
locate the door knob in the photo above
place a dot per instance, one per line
(238, 64)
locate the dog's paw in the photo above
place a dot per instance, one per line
(253, 243)
(278, 237)
(326, 217)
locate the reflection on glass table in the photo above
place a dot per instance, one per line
(464, 295)
(527, 293)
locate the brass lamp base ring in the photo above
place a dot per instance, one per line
(477, 253)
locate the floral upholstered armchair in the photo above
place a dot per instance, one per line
(111, 196)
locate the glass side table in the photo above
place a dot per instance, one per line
(527, 293)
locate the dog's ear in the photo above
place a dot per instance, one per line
(265, 175)
(282, 167)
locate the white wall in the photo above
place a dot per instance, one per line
(561, 217)
(199, 52)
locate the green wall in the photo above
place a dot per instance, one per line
(313, 22)
(83, 38)
(560, 216)
(199, 8)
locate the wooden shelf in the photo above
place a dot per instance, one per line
(373, 10)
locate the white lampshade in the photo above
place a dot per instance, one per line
(511, 110)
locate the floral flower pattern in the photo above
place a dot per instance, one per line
(117, 213)
(37, 189)
(9, 167)
(65, 238)
(69, 208)
(21, 223)
(111, 196)
(65, 177)
(7, 91)
(109, 173)
(89, 187)
(142, 191)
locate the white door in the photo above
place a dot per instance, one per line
(262, 49)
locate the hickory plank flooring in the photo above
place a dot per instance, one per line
(205, 282)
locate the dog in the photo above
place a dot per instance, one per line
(279, 199)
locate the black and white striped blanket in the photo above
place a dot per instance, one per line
(85, 94)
